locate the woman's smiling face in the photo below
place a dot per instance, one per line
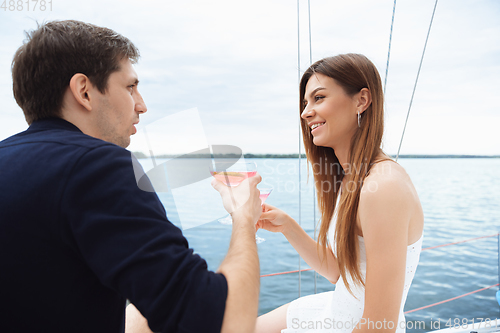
(330, 113)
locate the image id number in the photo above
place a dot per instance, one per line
(26, 5)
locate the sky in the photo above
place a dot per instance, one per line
(236, 64)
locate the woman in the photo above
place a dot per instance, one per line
(371, 218)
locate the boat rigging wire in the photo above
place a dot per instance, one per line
(390, 42)
(314, 192)
(300, 129)
(416, 80)
(385, 85)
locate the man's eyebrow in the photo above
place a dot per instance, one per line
(135, 81)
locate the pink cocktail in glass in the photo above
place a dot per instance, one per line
(232, 178)
(232, 174)
(264, 193)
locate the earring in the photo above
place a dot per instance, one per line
(359, 118)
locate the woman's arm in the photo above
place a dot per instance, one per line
(275, 220)
(384, 216)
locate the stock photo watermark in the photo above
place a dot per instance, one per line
(26, 5)
(326, 176)
(433, 324)
(324, 186)
(176, 162)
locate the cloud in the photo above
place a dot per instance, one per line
(237, 63)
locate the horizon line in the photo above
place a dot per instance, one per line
(296, 155)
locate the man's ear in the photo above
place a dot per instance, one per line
(81, 87)
(364, 99)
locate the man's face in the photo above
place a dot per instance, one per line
(118, 109)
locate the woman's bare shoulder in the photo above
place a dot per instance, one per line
(387, 176)
(389, 192)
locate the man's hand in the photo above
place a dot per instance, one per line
(242, 200)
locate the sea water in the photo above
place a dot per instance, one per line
(460, 199)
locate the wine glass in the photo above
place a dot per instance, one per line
(232, 174)
(264, 193)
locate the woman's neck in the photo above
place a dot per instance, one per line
(342, 154)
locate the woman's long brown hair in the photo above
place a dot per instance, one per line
(353, 72)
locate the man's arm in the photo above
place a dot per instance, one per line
(241, 269)
(124, 239)
(241, 265)
(135, 321)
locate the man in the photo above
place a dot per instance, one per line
(77, 236)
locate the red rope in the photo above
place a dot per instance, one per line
(451, 299)
(289, 272)
(424, 249)
(467, 240)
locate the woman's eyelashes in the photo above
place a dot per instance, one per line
(316, 98)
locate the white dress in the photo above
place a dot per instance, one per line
(338, 311)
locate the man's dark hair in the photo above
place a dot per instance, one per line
(44, 65)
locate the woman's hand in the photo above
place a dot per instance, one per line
(273, 219)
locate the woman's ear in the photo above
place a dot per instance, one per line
(364, 99)
(80, 87)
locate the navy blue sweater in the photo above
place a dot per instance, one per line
(78, 238)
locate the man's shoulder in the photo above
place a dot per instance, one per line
(57, 148)
(52, 133)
